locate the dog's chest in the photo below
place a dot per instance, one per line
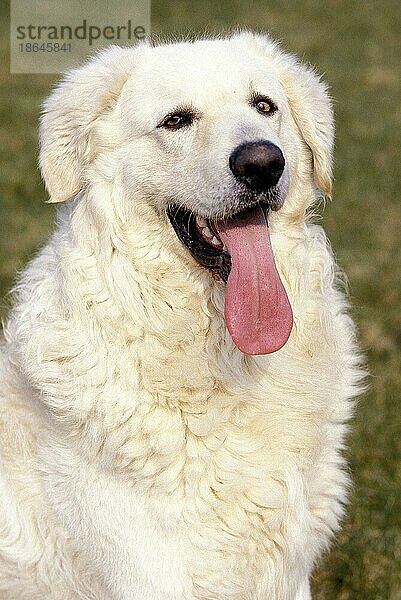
(239, 504)
(215, 487)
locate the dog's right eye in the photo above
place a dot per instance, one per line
(177, 120)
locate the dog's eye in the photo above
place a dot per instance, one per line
(176, 121)
(264, 105)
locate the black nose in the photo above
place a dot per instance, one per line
(258, 164)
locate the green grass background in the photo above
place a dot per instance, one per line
(356, 45)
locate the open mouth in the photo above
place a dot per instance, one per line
(201, 238)
(238, 251)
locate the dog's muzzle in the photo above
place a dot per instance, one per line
(259, 165)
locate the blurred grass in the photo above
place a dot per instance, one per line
(357, 47)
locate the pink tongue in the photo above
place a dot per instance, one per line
(257, 311)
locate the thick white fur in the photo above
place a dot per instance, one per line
(143, 455)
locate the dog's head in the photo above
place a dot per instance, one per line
(212, 135)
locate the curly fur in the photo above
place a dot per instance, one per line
(143, 455)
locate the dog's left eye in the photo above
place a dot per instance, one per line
(264, 105)
(177, 120)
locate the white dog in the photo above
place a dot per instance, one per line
(177, 375)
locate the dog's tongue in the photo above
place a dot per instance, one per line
(257, 311)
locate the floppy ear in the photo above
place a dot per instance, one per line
(310, 106)
(69, 115)
(311, 109)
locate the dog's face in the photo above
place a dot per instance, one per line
(213, 119)
(212, 134)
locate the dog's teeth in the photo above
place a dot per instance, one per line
(216, 241)
(206, 231)
(201, 221)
